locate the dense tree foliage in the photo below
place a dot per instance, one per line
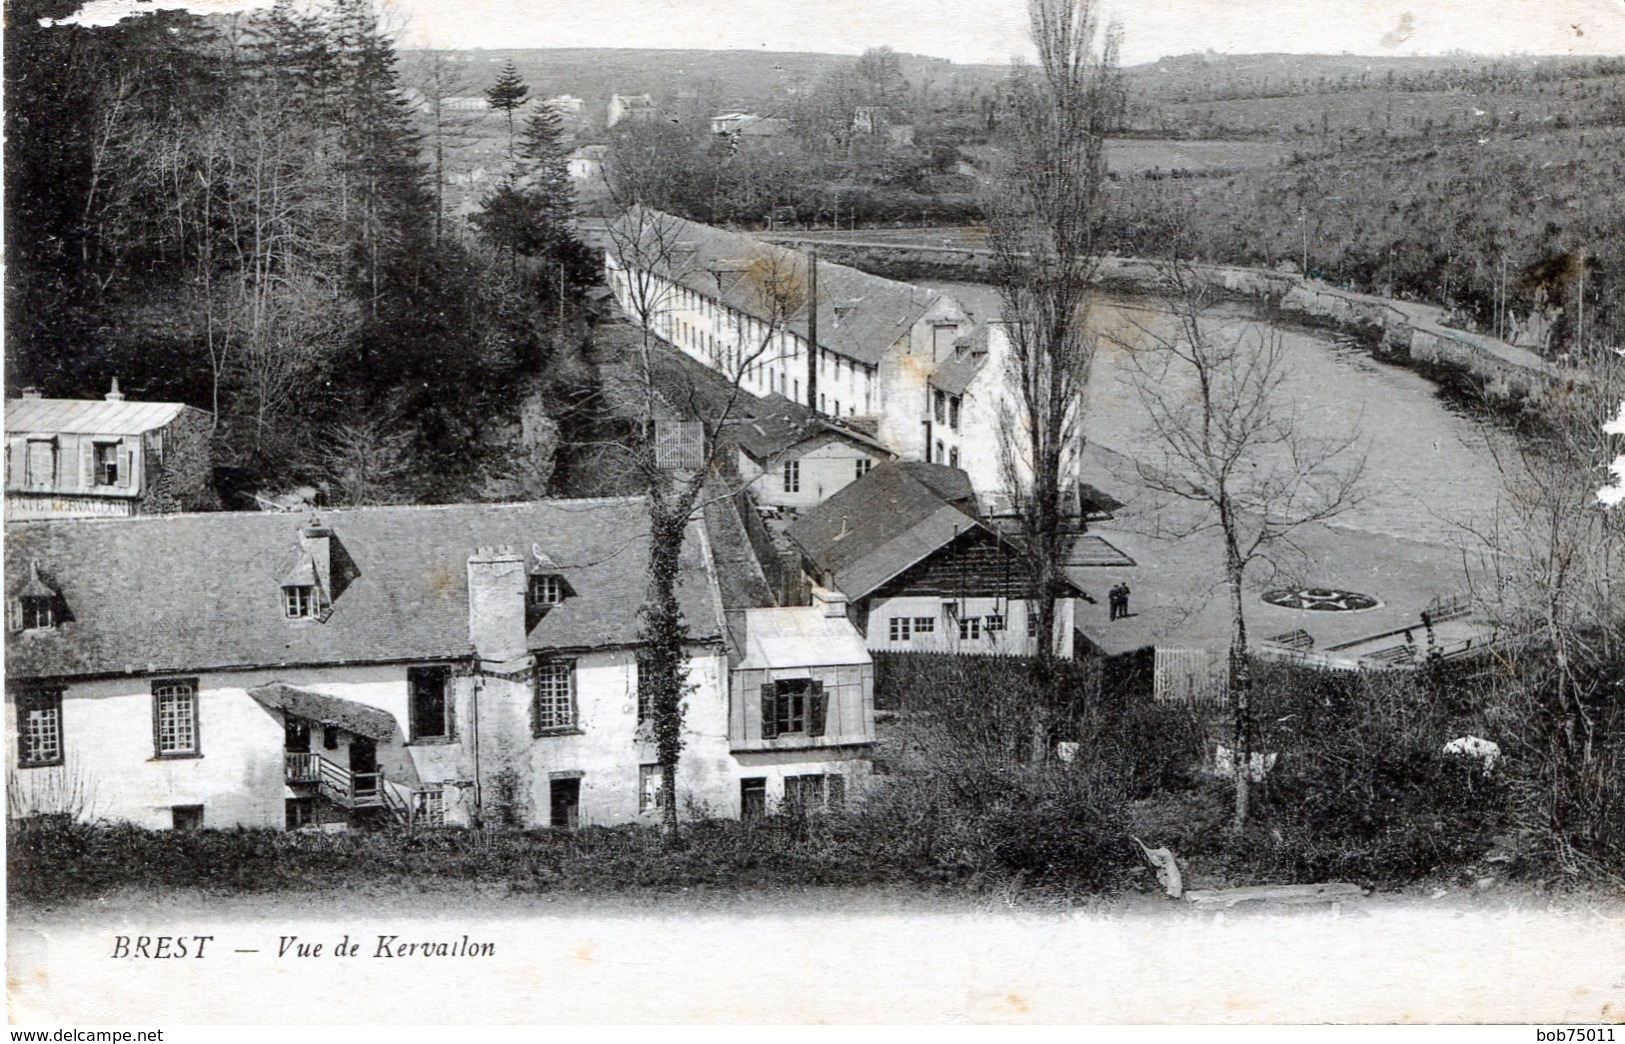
(234, 213)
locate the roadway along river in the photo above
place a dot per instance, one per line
(1427, 465)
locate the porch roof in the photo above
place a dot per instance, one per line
(323, 709)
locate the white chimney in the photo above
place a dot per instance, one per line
(496, 604)
(114, 395)
(831, 602)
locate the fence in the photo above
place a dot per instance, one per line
(1198, 676)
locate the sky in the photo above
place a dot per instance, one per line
(995, 30)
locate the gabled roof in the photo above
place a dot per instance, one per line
(769, 426)
(956, 372)
(88, 416)
(197, 592)
(875, 528)
(860, 315)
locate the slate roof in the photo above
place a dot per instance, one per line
(773, 424)
(195, 592)
(956, 372)
(860, 315)
(88, 416)
(326, 710)
(893, 517)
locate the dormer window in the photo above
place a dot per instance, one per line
(36, 606)
(299, 601)
(38, 613)
(546, 589)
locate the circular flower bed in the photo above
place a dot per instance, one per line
(1320, 599)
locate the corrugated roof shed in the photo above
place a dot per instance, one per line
(196, 592)
(878, 526)
(88, 416)
(860, 315)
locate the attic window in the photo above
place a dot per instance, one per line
(546, 589)
(38, 612)
(106, 473)
(299, 601)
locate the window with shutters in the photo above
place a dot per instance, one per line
(430, 703)
(175, 719)
(105, 472)
(41, 464)
(39, 728)
(900, 628)
(792, 476)
(796, 707)
(553, 708)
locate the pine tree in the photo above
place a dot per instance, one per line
(507, 95)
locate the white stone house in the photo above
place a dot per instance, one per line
(909, 363)
(434, 665)
(792, 458)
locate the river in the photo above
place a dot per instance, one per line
(1427, 467)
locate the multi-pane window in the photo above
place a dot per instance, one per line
(970, 628)
(431, 706)
(39, 729)
(174, 715)
(646, 691)
(993, 622)
(900, 628)
(298, 601)
(792, 476)
(925, 625)
(546, 589)
(940, 402)
(38, 612)
(106, 460)
(864, 466)
(41, 465)
(804, 793)
(429, 807)
(953, 412)
(649, 796)
(554, 706)
(1032, 622)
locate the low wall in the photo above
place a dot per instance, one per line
(1401, 330)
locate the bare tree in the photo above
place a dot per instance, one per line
(651, 259)
(1045, 231)
(1237, 455)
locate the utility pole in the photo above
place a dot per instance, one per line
(812, 329)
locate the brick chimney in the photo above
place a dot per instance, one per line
(113, 394)
(496, 604)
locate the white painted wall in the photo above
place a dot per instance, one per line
(1012, 641)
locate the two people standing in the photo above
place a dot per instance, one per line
(1119, 601)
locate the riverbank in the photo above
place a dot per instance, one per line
(1407, 332)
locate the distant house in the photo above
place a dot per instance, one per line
(920, 572)
(431, 665)
(748, 129)
(911, 363)
(634, 107)
(586, 165)
(568, 103)
(97, 457)
(794, 458)
(730, 122)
